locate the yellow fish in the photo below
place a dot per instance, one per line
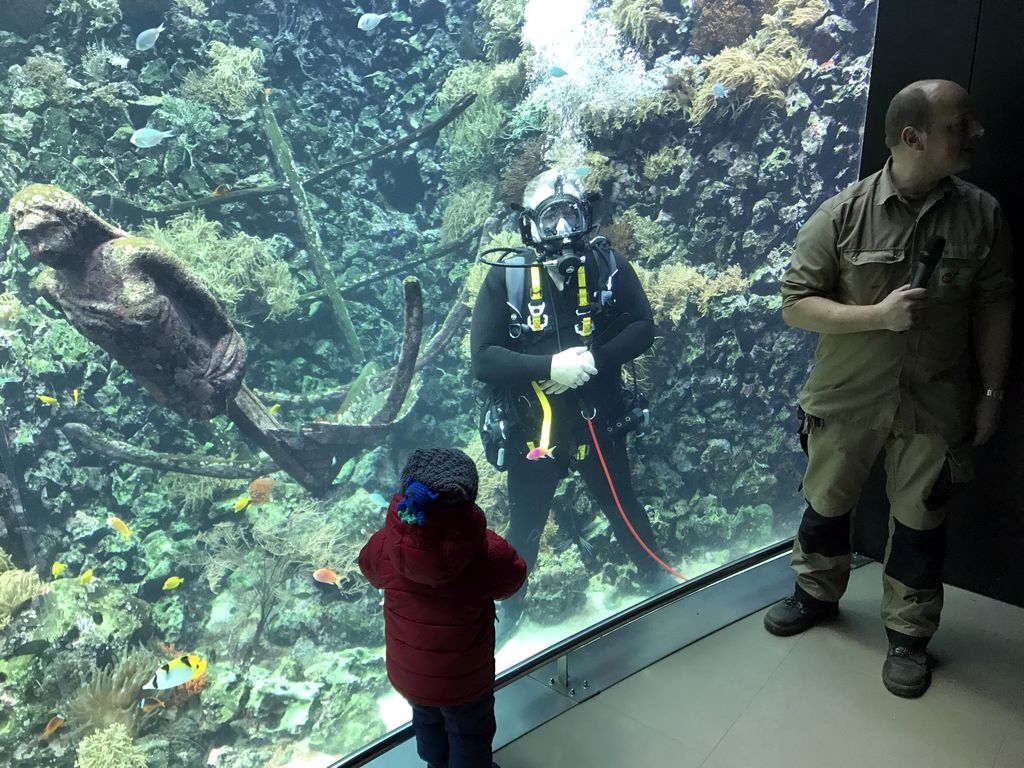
(274, 408)
(176, 672)
(242, 503)
(47, 400)
(173, 582)
(57, 569)
(120, 526)
(86, 577)
(74, 396)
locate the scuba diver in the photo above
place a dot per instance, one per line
(552, 326)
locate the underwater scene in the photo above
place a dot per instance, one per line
(238, 267)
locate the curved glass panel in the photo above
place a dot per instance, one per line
(212, 372)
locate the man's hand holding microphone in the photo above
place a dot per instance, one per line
(570, 368)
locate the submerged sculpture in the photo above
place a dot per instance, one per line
(144, 308)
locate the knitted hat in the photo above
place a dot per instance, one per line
(448, 472)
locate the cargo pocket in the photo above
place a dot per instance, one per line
(868, 275)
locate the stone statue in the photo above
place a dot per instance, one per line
(144, 308)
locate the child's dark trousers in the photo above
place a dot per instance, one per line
(456, 737)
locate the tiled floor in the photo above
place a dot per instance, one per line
(742, 698)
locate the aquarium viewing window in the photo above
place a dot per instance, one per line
(240, 273)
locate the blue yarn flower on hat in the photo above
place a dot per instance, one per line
(413, 507)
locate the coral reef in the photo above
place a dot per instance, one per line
(111, 748)
(757, 71)
(47, 75)
(110, 697)
(230, 85)
(233, 267)
(469, 143)
(100, 14)
(17, 587)
(724, 23)
(673, 288)
(502, 23)
(467, 208)
(10, 310)
(640, 21)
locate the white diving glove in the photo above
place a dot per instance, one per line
(573, 367)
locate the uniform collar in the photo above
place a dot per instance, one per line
(887, 187)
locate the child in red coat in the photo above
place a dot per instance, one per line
(441, 570)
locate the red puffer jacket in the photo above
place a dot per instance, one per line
(440, 583)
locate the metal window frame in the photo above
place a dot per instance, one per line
(578, 668)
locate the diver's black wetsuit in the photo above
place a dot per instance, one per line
(499, 360)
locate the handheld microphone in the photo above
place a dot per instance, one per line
(931, 252)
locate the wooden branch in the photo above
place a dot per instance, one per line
(188, 464)
(121, 207)
(406, 367)
(311, 232)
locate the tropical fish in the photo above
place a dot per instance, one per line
(242, 502)
(176, 672)
(582, 171)
(378, 499)
(57, 569)
(327, 576)
(120, 526)
(556, 71)
(540, 452)
(54, 725)
(149, 137)
(827, 63)
(148, 704)
(173, 583)
(719, 90)
(147, 39)
(220, 189)
(31, 648)
(369, 21)
(74, 396)
(86, 577)
(274, 409)
(47, 400)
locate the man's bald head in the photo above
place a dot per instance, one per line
(915, 106)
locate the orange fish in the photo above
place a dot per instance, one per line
(827, 63)
(54, 725)
(266, 91)
(220, 189)
(327, 576)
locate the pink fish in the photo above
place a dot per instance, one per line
(541, 453)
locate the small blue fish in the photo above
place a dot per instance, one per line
(379, 500)
(582, 171)
(147, 39)
(149, 137)
(556, 71)
(369, 21)
(719, 90)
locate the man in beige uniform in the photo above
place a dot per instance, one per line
(892, 369)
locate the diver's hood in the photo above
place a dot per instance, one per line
(439, 551)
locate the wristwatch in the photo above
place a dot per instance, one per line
(994, 393)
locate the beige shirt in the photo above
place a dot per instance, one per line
(863, 244)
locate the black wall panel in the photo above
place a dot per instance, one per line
(978, 44)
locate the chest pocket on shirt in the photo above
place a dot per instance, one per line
(954, 273)
(868, 275)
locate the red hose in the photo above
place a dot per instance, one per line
(615, 495)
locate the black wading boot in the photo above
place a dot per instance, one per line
(796, 613)
(906, 672)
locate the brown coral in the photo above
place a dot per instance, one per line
(721, 24)
(260, 490)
